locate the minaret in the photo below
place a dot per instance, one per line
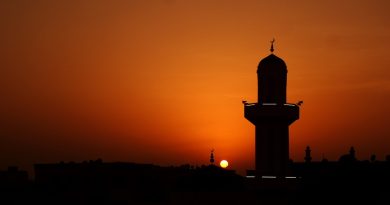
(308, 155)
(271, 116)
(212, 157)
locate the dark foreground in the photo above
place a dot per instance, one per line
(127, 183)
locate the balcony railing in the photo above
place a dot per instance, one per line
(267, 112)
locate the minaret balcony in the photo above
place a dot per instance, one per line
(271, 112)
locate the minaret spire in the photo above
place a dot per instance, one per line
(272, 45)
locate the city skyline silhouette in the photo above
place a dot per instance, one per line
(347, 181)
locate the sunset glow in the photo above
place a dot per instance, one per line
(162, 81)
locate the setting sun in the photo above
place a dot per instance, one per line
(224, 164)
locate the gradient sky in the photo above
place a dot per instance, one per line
(161, 81)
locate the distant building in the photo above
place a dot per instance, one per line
(102, 174)
(132, 176)
(13, 177)
(308, 155)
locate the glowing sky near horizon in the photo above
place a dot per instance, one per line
(162, 81)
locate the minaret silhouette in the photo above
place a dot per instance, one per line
(212, 157)
(271, 117)
(308, 155)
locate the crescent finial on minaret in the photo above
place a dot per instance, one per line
(272, 45)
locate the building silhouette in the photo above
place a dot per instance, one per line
(307, 155)
(271, 116)
(98, 182)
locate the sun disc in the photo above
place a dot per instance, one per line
(224, 163)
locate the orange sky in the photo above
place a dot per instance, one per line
(162, 81)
